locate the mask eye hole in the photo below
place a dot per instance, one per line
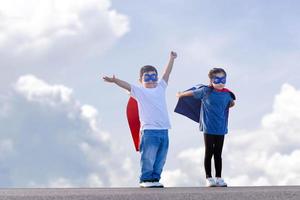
(219, 80)
(150, 77)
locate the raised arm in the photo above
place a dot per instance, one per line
(119, 82)
(169, 67)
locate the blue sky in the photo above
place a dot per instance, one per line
(60, 50)
(250, 40)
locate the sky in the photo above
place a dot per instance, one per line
(63, 126)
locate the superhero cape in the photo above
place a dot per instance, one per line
(190, 107)
(133, 119)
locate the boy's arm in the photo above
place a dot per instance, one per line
(169, 67)
(185, 94)
(119, 82)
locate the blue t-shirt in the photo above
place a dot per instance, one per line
(214, 110)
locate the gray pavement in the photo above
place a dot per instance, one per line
(185, 193)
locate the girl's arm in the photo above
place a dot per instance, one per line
(232, 103)
(185, 94)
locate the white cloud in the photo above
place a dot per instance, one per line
(94, 181)
(189, 171)
(284, 103)
(60, 183)
(53, 38)
(39, 25)
(49, 139)
(267, 156)
(173, 178)
(37, 90)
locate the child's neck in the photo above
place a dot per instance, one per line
(218, 90)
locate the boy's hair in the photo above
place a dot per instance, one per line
(147, 68)
(212, 73)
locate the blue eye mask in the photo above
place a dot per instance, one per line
(219, 80)
(150, 77)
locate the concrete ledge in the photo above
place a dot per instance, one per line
(199, 193)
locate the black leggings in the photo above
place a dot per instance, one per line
(213, 147)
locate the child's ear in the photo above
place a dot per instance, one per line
(140, 80)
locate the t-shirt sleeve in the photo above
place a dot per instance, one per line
(199, 93)
(135, 91)
(163, 83)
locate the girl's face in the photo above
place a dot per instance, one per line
(218, 81)
(149, 79)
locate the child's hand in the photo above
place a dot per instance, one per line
(178, 94)
(109, 79)
(173, 55)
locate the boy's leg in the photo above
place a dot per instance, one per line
(161, 154)
(219, 141)
(149, 147)
(209, 150)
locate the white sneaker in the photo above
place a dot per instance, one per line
(210, 182)
(220, 182)
(147, 184)
(158, 184)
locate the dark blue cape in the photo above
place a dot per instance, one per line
(190, 107)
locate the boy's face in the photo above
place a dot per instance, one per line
(218, 81)
(149, 79)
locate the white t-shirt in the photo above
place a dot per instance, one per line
(152, 106)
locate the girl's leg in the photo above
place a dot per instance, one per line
(209, 150)
(218, 147)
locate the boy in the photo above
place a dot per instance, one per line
(215, 104)
(154, 120)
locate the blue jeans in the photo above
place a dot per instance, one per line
(154, 148)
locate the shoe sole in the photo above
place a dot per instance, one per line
(152, 187)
